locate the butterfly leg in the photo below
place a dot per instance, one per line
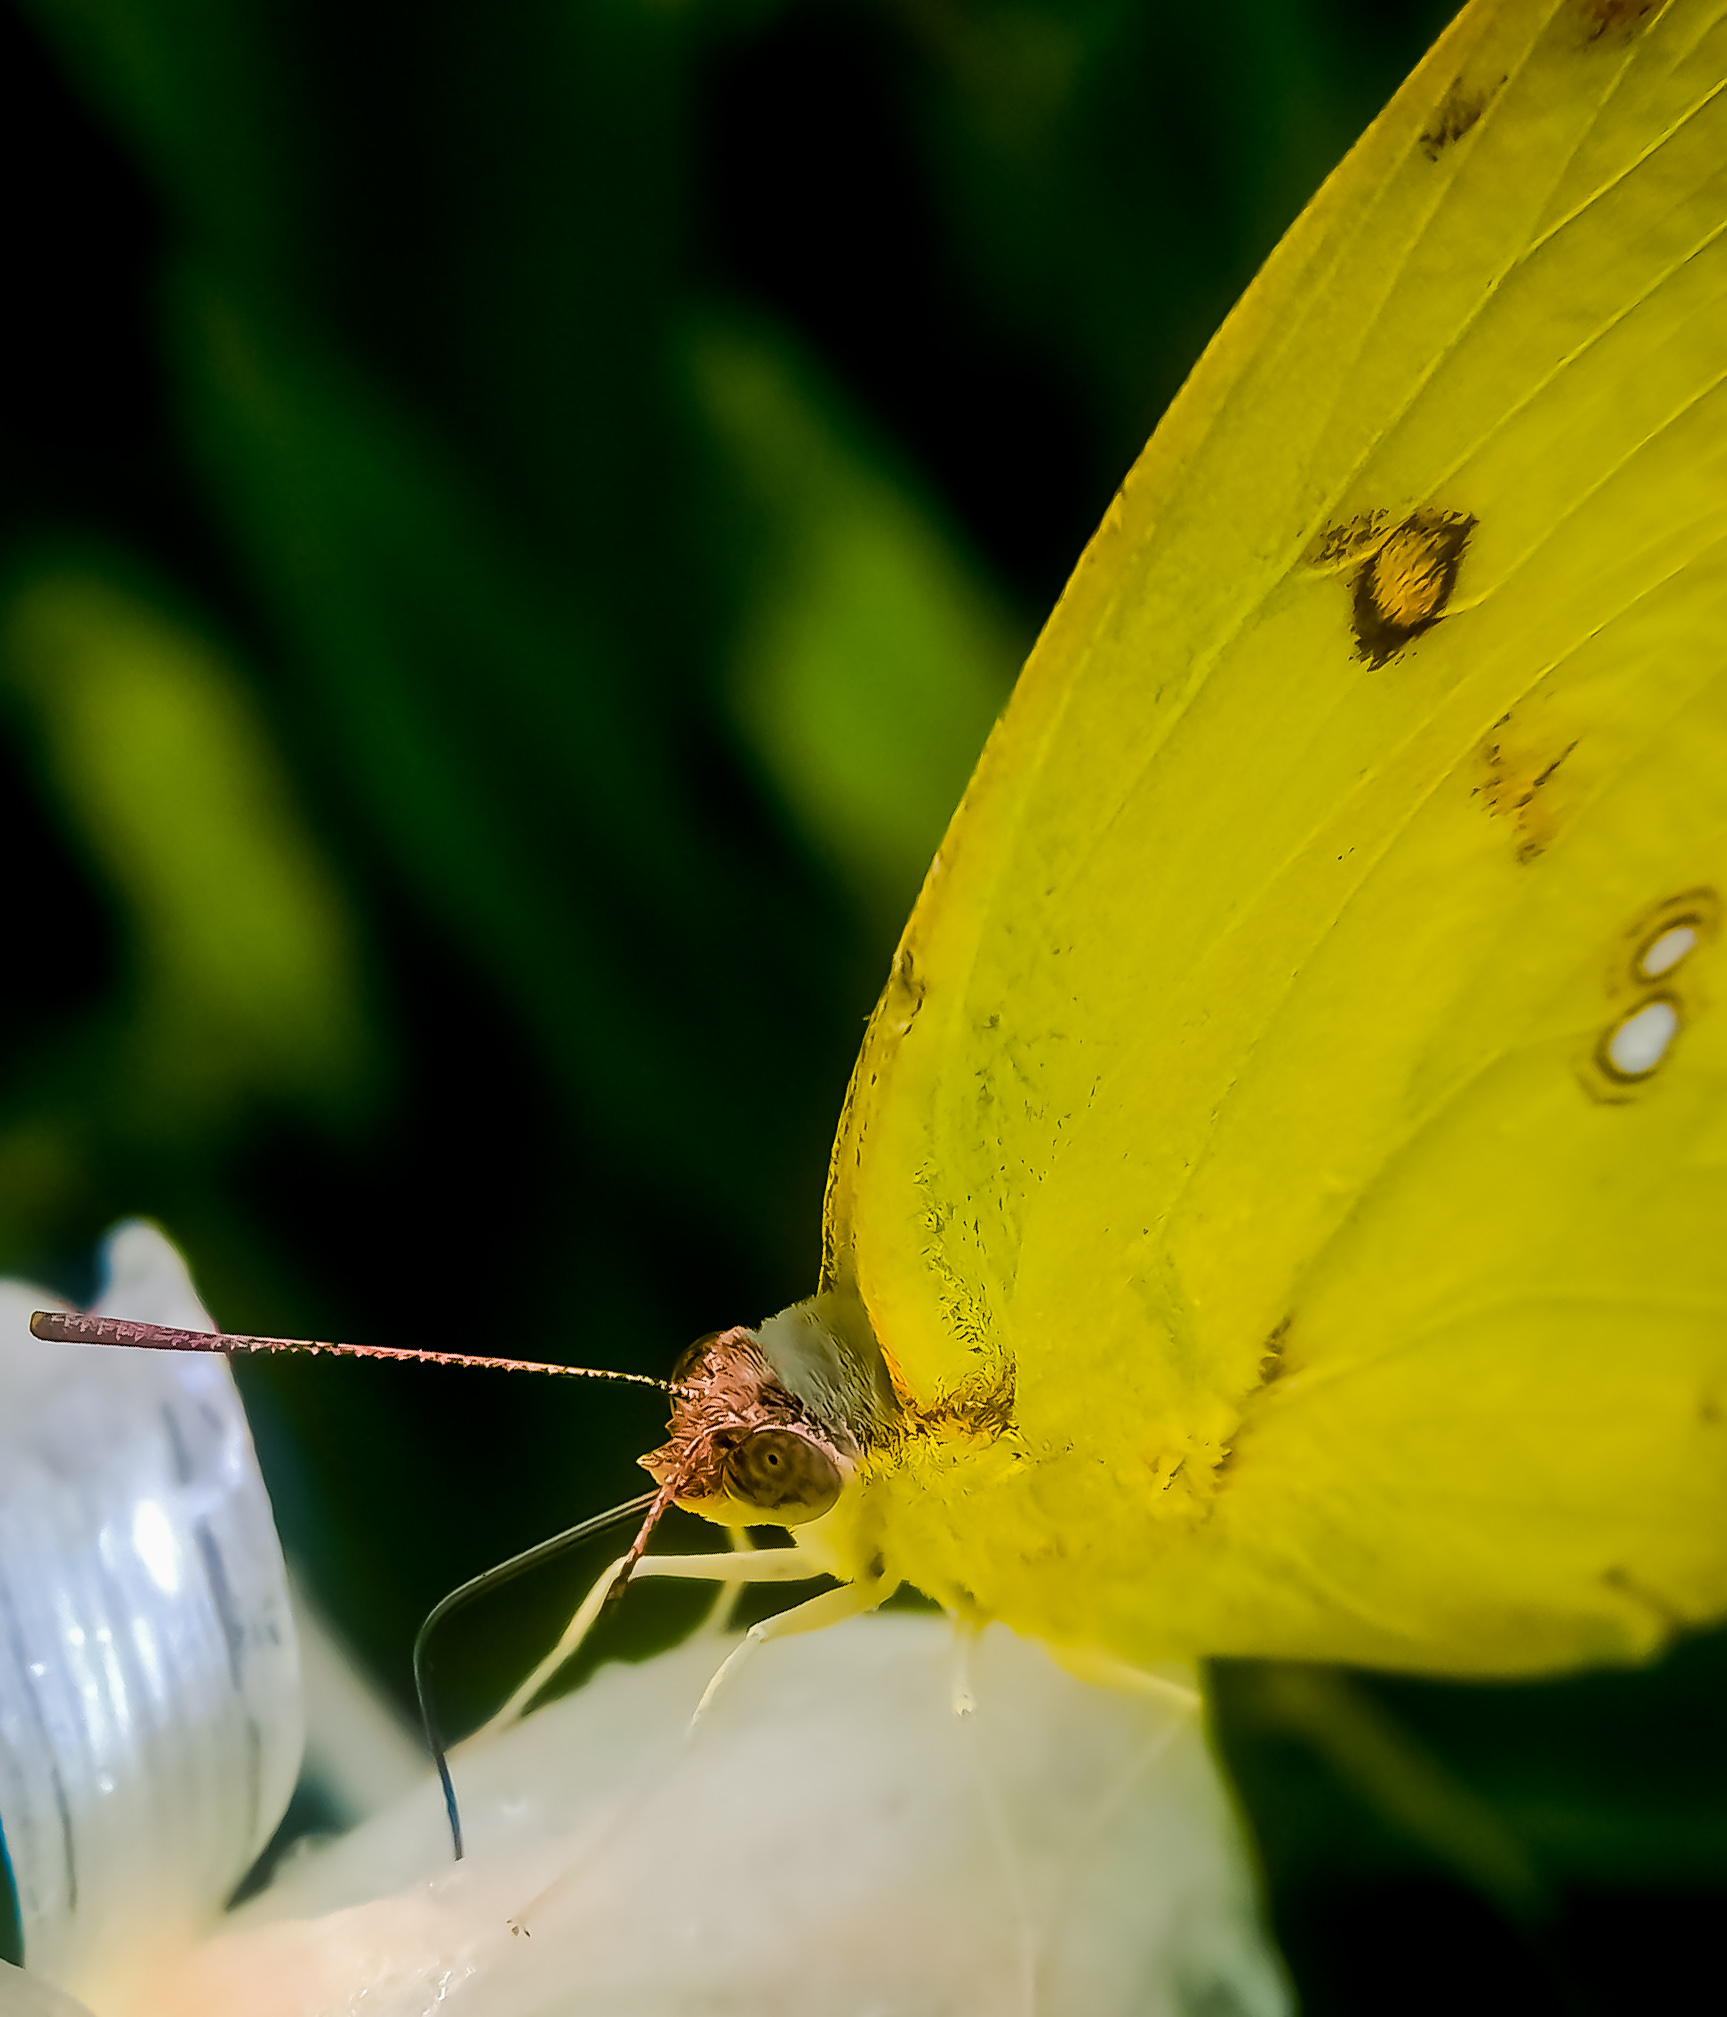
(767, 1565)
(1103, 1671)
(831, 1607)
(962, 1698)
(718, 1621)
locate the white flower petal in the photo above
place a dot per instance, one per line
(833, 1841)
(23, 1995)
(149, 1691)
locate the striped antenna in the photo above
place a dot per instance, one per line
(65, 1327)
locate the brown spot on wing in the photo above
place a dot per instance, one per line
(1350, 542)
(1516, 784)
(1271, 1356)
(1273, 1363)
(1454, 115)
(1615, 19)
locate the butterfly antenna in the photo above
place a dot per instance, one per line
(66, 1327)
(479, 1586)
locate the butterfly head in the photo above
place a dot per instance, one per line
(769, 1425)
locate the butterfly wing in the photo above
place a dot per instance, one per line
(1287, 1184)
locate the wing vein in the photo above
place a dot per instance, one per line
(1205, 664)
(1620, 175)
(1436, 1110)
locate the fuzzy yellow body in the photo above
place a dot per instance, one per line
(1254, 1174)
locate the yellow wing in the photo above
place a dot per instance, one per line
(1287, 1171)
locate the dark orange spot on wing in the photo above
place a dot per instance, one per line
(1403, 587)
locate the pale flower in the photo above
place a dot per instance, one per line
(833, 1840)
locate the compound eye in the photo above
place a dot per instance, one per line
(784, 1474)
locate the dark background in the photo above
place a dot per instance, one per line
(514, 522)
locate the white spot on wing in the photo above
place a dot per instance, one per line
(1640, 1042)
(1664, 953)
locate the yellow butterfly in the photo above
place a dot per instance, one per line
(1286, 1174)
(1281, 1204)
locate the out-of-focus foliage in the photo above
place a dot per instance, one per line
(241, 949)
(514, 522)
(873, 657)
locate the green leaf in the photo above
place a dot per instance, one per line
(873, 653)
(245, 974)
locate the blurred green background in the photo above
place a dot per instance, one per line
(514, 523)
